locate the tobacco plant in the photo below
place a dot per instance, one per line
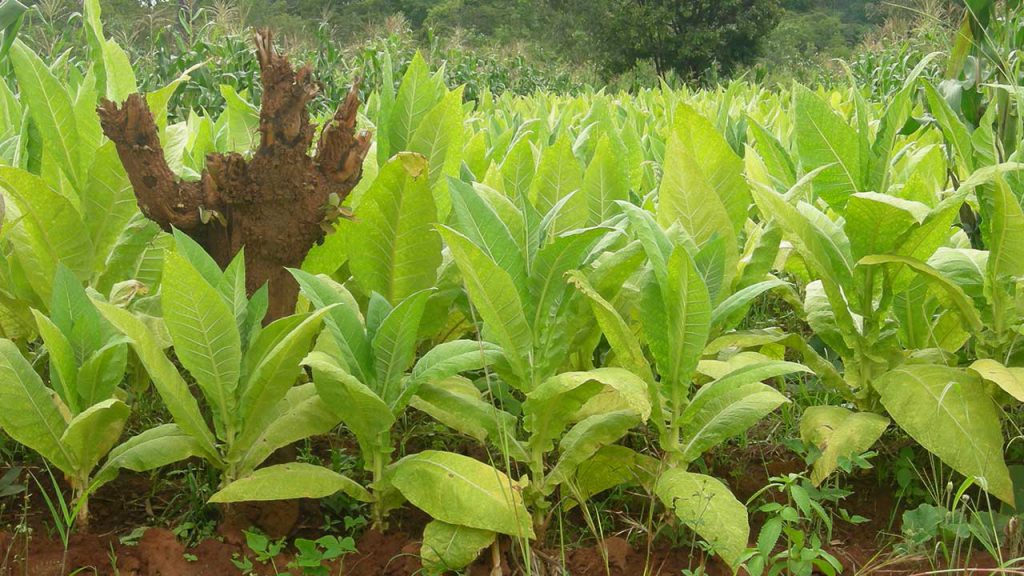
(75, 421)
(246, 373)
(895, 323)
(696, 282)
(513, 264)
(676, 318)
(367, 372)
(71, 210)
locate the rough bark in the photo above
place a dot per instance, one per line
(273, 203)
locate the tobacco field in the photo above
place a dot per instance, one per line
(385, 327)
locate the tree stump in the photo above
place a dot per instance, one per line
(272, 204)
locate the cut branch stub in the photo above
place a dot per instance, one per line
(273, 203)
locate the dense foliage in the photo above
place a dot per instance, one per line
(519, 46)
(566, 286)
(688, 38)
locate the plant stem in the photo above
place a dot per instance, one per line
(496, 558)
(378, 490)
(537, 485)
(81, 502)
(83, 513)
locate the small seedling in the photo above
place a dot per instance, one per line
(265, 549)
(313, 553)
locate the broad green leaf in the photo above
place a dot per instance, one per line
(393, 248)
(120, 76)
(892, 122)
(550, 407)
(100, 374)
(953, 128)
(439, 139)
(497, 213)
(622, 390)
(838, 433)
(687, 321)
(387, 104)
(875, 221)
(611, 272)
(109, 202)
(493, 293)
(30, 415)
(776, 157)
(94, 36)
(272, 365)
(91, 434)
(708, 507)
(149, 450)
(518, 168)
(656, 243)
(448, 547)
(236, 127)
(231, 288)
(159, 99)
(711, 262)
(556, 402)
(205, 335)
(922, 241)
(628, 352)
(559, 175)
(730, 405)
(87, 122)
(50, 107)
(63, 366)
(820, 316)
(1011, 380)
(359, 407)
(611, 466)
(450, 358)
(171, 386)
(584, 439)
(288, 481)
(1006, 233)
(12, 14)
(948, 412)
(344, 322)
(824, 369)
(726, 312)
(965, 267)
(49, 230)
(735, 365)
(456, 403)
(826, 252)
(604, 183)
(474, 155)
(953, 291)
(137, 253)
(824, 139)
(394, 345)
(377, 309)
(547, 286)
(482, 222)
(255, 313)
(458, 489)
(175, 142)
(552, 298)
(73, 313)
(703, 185)
(301, 414)
(198, 257)
(417, 94)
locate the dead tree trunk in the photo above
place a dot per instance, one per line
(272, 204)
